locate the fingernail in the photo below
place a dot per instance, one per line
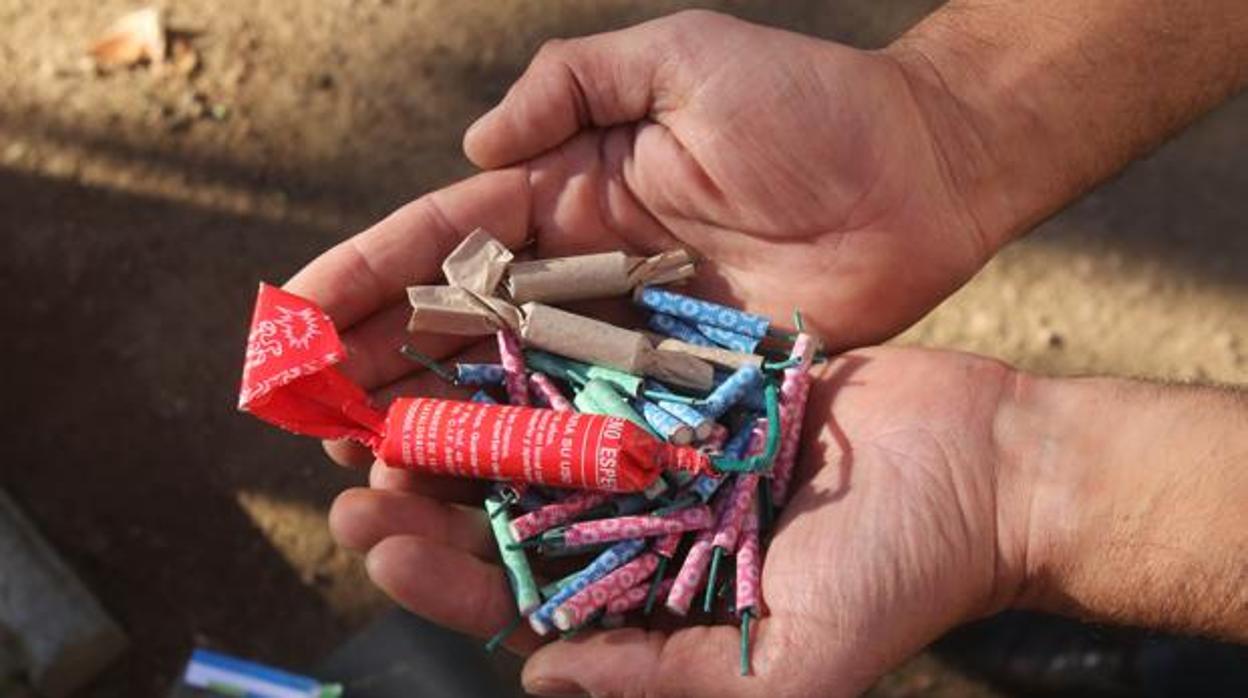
(553, 686)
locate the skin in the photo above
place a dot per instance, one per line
(937, 487)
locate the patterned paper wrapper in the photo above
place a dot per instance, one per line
(676, 328)
(519, 574)
(691, 576)
(513, 368)
(739, 443)
(644, 526)
(544, 387)
(555, 514)
(749, 566)
(705, 486)
(701, 424)
(543, 618)
(794, 392)
(665, 546)
(483, 398)
(479, 374)
(729, 525)
(693, 570)
(742, 381)
(717, 438)
(665, 423)
(728, 339)
(696, 310)
(634, 597)
(577, 609)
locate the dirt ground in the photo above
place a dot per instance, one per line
(139, 210)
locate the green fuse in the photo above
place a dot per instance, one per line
(514, 560)
(600, 394)
(581, 373)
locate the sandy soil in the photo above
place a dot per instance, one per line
(139, 210)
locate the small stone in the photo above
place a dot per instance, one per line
(1051, 339)
(14, 152)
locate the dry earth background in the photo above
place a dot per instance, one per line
(139, 210)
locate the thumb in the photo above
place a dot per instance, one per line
(698, 660)
(571, 84)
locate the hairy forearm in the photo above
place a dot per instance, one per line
(1035, 102)
(1130, 502)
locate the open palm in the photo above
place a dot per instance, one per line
(807, 173)
(804, 177)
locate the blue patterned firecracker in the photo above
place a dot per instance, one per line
(676, 328)
(697, 311)
(729, 339)
(479, 374)
(542, 619)
(743, 381)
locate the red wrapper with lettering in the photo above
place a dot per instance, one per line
(289, 380)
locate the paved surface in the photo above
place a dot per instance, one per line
(140, 210)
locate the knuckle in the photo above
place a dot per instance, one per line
(551, 50)
(697, 19)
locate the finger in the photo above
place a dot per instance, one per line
(699, 660)
(348, 454)
(360, 518)
(447, 586)
(444, 489)
(369, 271)
(571, 84)
(373, 358)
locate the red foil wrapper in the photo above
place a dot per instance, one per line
(289, 380)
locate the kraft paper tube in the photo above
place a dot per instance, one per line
(454, 310)
(718, 356)
(596, 342)
(679, 369)
(584, 339)
(593, 275)
(477, 264)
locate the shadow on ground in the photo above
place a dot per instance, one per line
(133, 237)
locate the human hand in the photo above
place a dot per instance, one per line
(803, 172)
(898, 529)
(892, 535)
(808, 174)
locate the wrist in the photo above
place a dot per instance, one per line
(1125, 502)
(1040, 448)
(982, 98)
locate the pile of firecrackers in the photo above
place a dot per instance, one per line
(661, 456)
